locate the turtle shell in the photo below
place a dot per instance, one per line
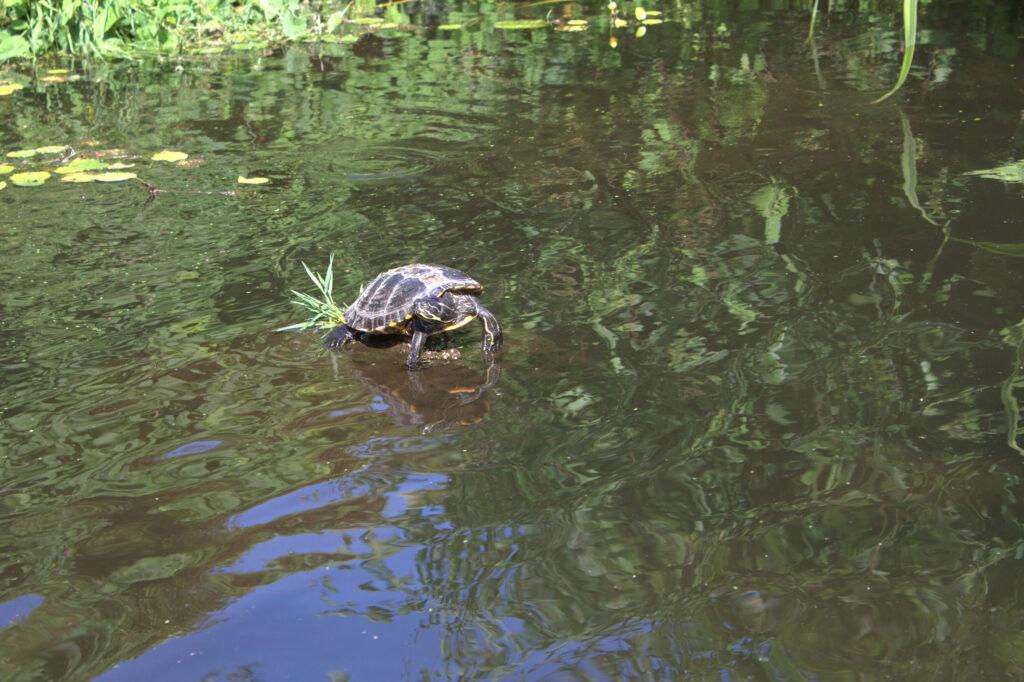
(385, 305)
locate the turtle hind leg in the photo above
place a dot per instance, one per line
(340, 336)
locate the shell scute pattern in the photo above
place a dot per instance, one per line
(385, 305)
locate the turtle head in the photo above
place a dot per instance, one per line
(446, 311)
(440, 310)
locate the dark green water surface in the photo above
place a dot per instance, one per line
(757, 412)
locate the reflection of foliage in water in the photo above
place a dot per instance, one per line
(762, 436)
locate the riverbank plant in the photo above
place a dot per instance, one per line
(122, 28)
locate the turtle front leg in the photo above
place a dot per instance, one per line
(492, 329)
(341, 335)
(416, 352)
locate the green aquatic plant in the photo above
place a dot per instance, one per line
(325, 312)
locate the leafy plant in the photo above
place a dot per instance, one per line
(326, 313)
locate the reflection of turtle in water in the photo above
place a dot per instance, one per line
(433, 400)
(418, 301)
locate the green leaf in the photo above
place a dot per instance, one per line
(909, 38)
(80, 164)
(293, 25)
(30, 179)
(1011, 172)
(13, 46)
(1014, 250)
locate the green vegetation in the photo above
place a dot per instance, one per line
(326, 313)
(128, 27)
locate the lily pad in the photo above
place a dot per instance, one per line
(50, 149)
(521, 24)
(450, 27)
(8, 88)
(252, 181)
(79, 177)
(30, 179)
(80, 165)
(21, 153)
(167, 155)
(98, 177)
(3, 183)
(4, 169)
(115, 177)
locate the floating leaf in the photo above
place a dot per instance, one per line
(22, 153)
(449, 27)
(80, 165)
(54, 79)
(652, 22)
(619, 23)
(8, 88)
(641, 14)
(641, 32)
(521, 24)
(252, 181)
(30, 179)
(97, 177)
(4, 169)
(50, 149)
(57, 71)
(114, 177)
(79, 177)
(3, 183)
(167, 155)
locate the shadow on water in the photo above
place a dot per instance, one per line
(756, 415)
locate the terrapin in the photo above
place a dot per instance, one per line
(417, 300)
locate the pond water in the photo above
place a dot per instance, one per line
(756, 415)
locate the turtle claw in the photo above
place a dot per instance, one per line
(339, 337)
